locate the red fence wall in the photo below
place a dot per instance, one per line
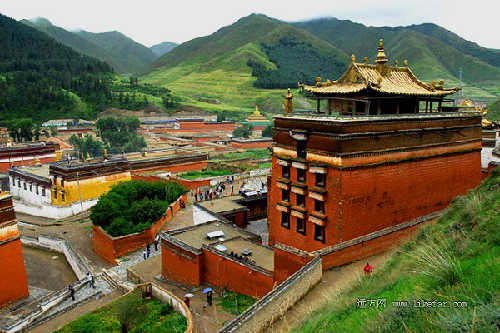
(234, 276)
(110, 248)
(180, 265)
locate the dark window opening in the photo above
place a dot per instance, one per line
(301, 175)
(301, 149)
(319, 206)
(285, 220)
(285, 171)
(320, 180)
(285, 195)
(301, 200)
(301, 226)
(319, 233)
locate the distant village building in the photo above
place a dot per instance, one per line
(13, 279)
(28, 154)
(63, 189)
(351, 186)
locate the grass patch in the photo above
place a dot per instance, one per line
(234, 302)
(156, 317)
(192, 175)
(454, 262)
(254, 154)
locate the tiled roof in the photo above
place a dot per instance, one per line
(381, 78)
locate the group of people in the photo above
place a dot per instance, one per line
(147, 252)
(187, 299)
(91, 282)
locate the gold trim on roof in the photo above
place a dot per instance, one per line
(381, 78)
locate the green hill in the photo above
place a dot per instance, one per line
(77, 43)
(432, 52)
(131, 55)
(229, 65)
(452, 264)
(162, 48)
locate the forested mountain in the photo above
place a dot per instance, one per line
(433, 52)
(131, 55)
(273, 51)
(162, 48)
(41, 79)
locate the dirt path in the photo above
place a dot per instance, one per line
(334, 280)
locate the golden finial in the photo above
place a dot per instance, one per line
(381, 59)
(441, 83)
(318, 81)
(105, 153)
(396, 63)
(353, 58)
(433, 84)
(37, 161)
(289, 101)
(405, 62)
(88, 157)
(256, 112)
(365, 60)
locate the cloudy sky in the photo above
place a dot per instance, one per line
(153, 21)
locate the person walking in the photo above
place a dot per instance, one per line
(144, 254)
(90, 279)
(71, 292)
(156, 242)
(209, 298)
(367, 269)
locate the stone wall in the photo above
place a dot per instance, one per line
(179, 305)
(110, 248)
(277, 302)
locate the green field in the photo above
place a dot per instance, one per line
(453, 262)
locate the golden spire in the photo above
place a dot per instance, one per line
(381, 58)
(256, 112)
(353, 58)
(288, 101)
(105, 153)
(88, 157)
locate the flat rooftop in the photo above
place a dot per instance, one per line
(261, 256)
(40, 171)
(224, 204)
(197, 236)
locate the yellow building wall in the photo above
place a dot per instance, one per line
(91, 188)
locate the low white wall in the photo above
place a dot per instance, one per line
(52, 211)
(32, 194)
(77, 264)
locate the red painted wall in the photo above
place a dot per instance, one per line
(180, 265)
(13, 279)
(246, 145)
(377, 197)
(285, 264)
(109, 248)
(234, 276)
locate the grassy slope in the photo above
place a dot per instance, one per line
(217, 65)
(429, 58)
(456, 259)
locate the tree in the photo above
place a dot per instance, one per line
(268, 131)
(130, 310)
(244, 131)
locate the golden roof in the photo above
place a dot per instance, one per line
(381, 78)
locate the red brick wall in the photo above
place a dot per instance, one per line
(286, 263)
(13, 279)
(246, 145)
(110, 248)
(179, 268)
(377, 197)
(191, 184)
(227, 273)
(369, 248)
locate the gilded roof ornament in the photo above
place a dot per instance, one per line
(381, 57)
(353, 58)
(318, 81)
(289, 101)
(441, 83)
(405, 63)
(365, 60)
(396, 63)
